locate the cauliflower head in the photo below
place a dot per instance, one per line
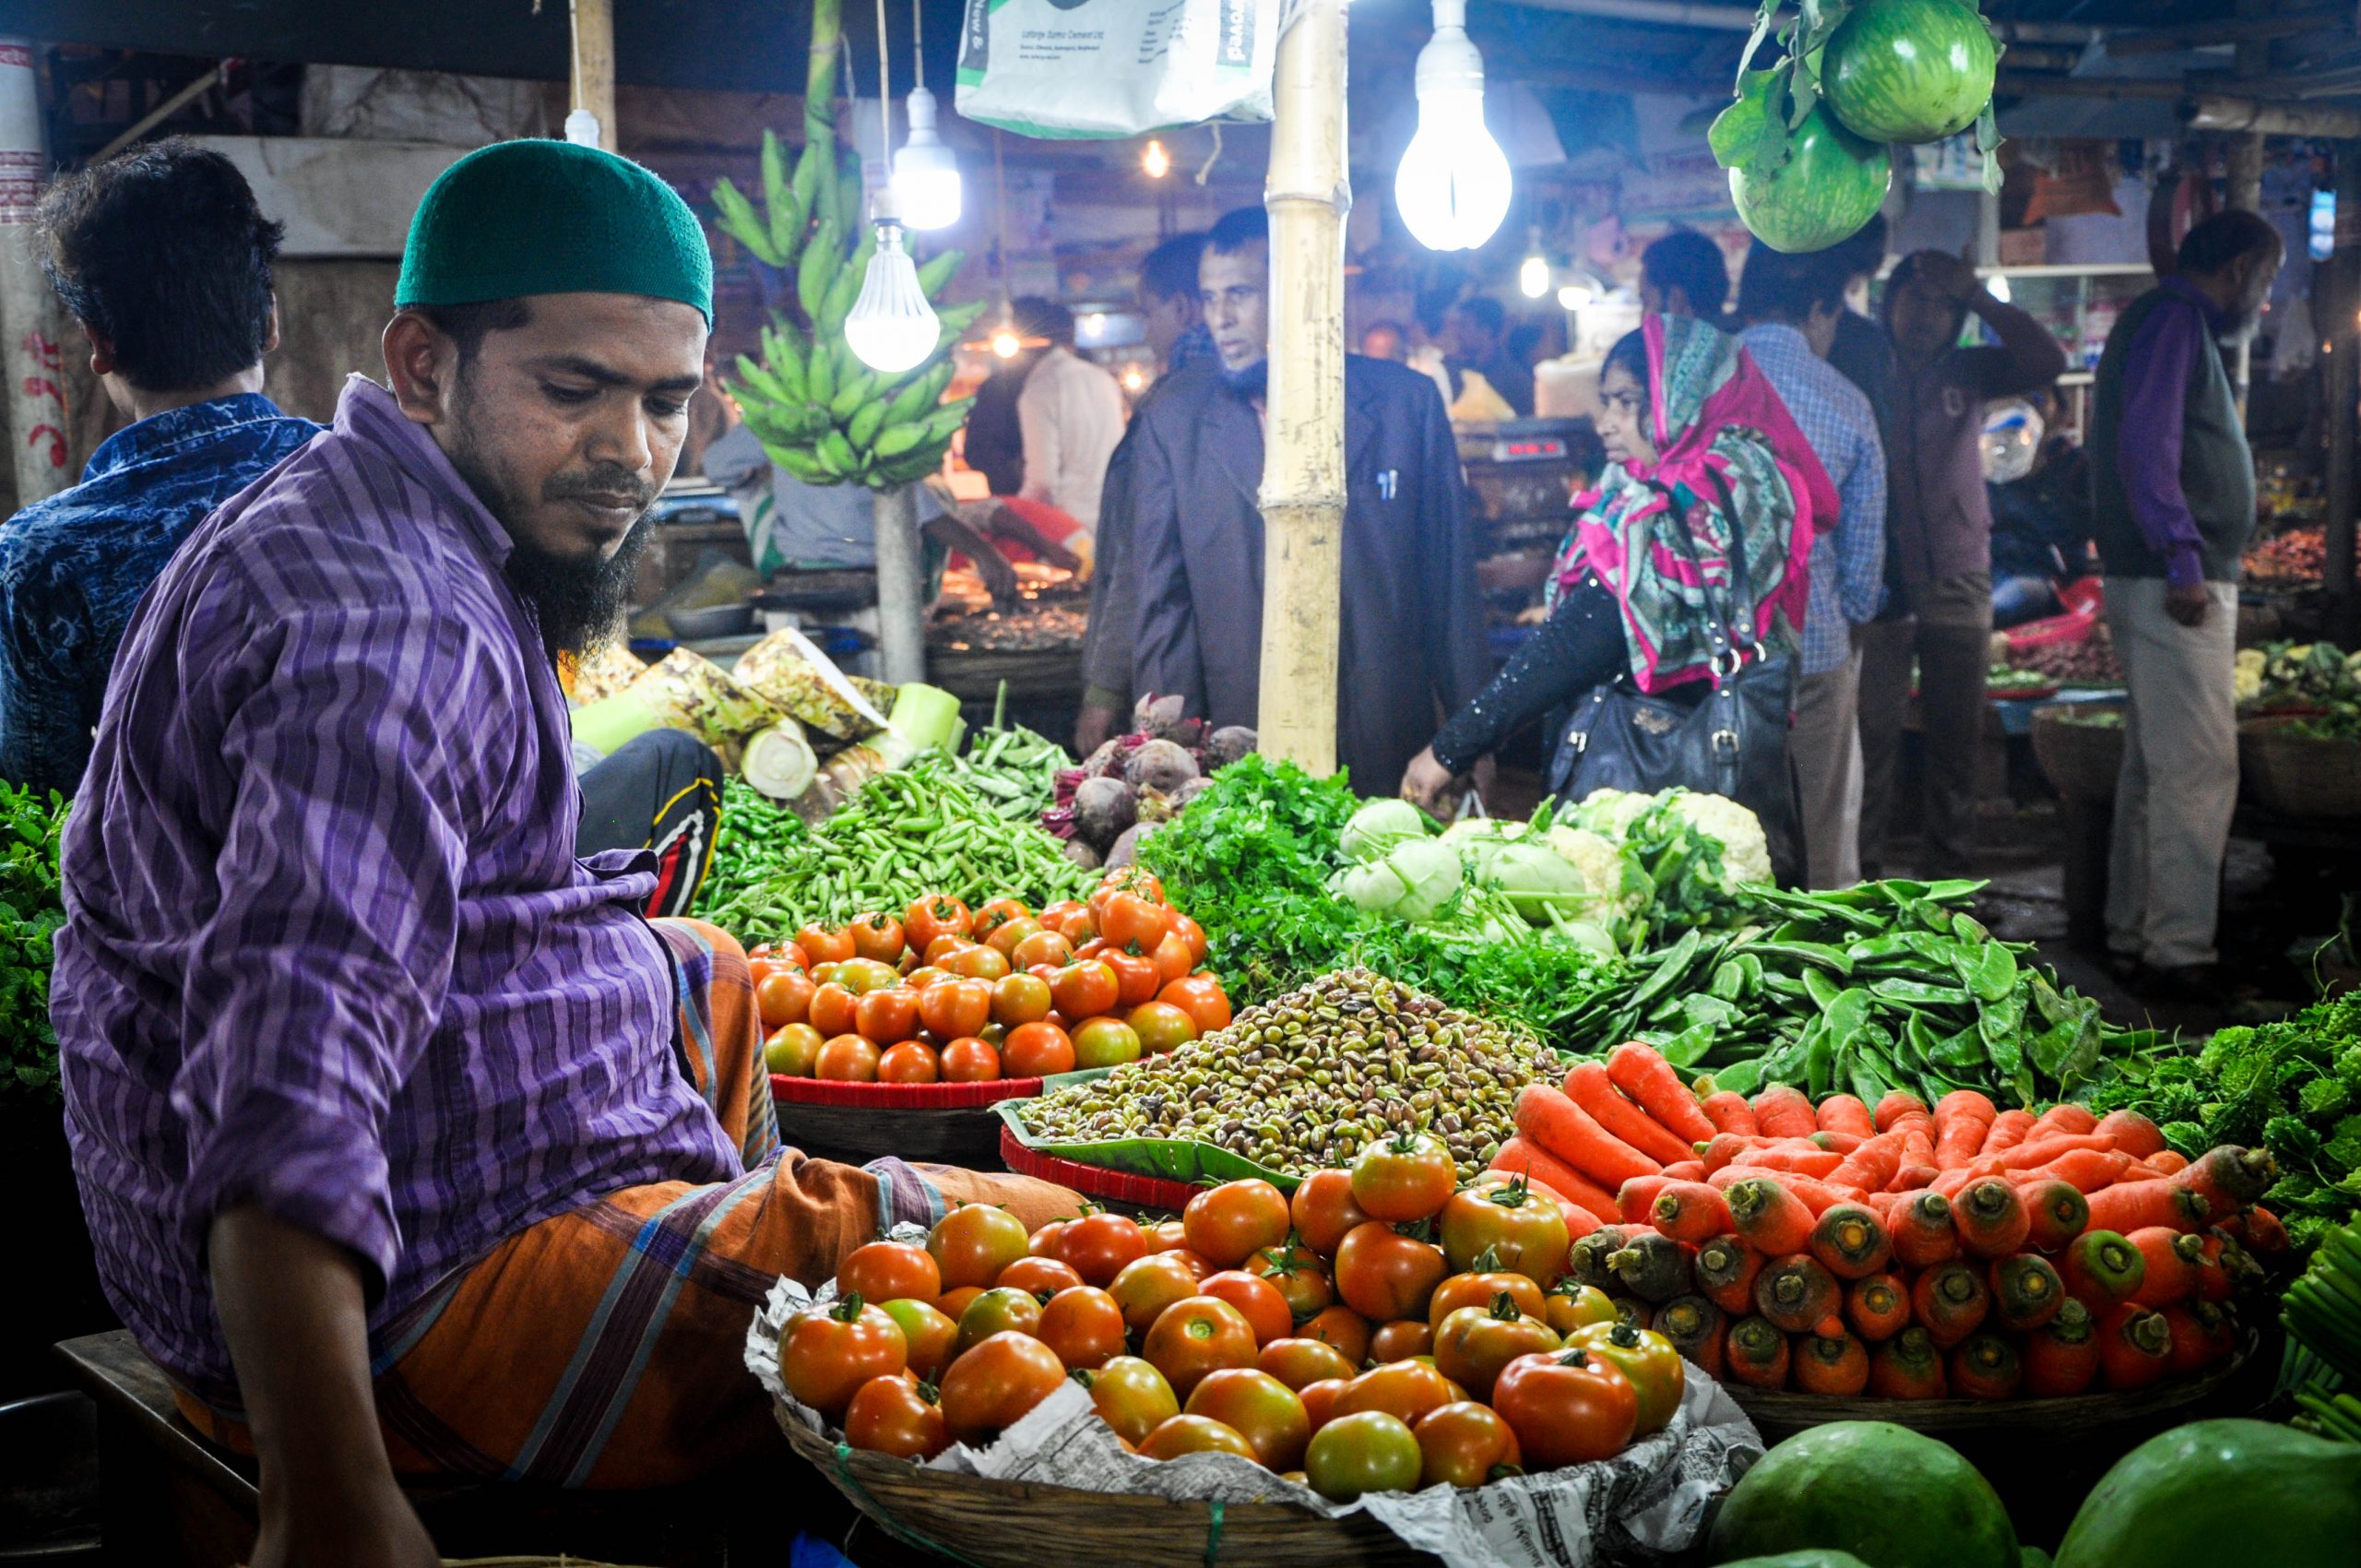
(1608, 873)
(1610, 813)
(1746, 850)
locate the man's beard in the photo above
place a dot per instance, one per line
(579, 601)
(1251, 381)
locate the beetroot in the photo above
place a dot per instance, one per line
(1082, 854)
(1127, 847)
(1159, 765)
(1103, 809)
(1190, 790)
(1228, 743)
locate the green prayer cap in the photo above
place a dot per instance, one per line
(536, 217)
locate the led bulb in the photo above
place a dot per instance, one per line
(1155, 163)
(1574, 296)
(1005, 342)
(1453, 186)
(926, 177)
(892, 327)
(1532, 278)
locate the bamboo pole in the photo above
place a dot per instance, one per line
(901, 585)
(2219, 111)
(2243, 183)
(591, 81)
(1308, 194)
(2343, 374)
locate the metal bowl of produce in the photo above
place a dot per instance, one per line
(715, 621)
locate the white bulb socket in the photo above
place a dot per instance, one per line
(926, 177)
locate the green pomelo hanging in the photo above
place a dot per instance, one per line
(1909, 70)
(1830, 183)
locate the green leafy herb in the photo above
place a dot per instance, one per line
(30, 911)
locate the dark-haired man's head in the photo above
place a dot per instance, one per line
(1684, 274)
(1234, 290)
(163, 257)
(1477, 325)
(1860, 256)
(1386, 341)
(1168, 290)
(2233, 256)
(1803, 292)
(550, 332)
(1042, 324)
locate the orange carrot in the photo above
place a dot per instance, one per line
(1844, 1113)
(1877, 1308)
(2166, 1162)
(1635, 1200)
(2135, 1346)
(1523, 1155)
(2260, 1229)
(2132, 1205)
(1796, 1294)
(1784, 1113)
(1873, 1165)
(1685, 1171)
(1728, 1148)
(1908, 1366)
(1950, 1301)
(2228, 1178)
(2056, 1210)
(1726, 1267)
(2038, 1151)
(1985, 1367)
(1557, 1124)
(2007, 1130)
(2026, 1291)
(1641, 1072)
(1991, 1218)
(1756, 1353)
(1773, 1220)
(2133, 1133)
(2172, 1257)
(1900, 1108)
(1961, 1118)
(1917, 1165)
(2085, 1170)
(1801, 1158)
(1839, 1366)
(1727, 1111)
(1920, 1224)
(1816, 1195)
(1839, 1142)
(1691, 1212)
(2062, 1356)
(1851, 1240)
(2101, 1269)
(1588, 1085)
(2067, 1117)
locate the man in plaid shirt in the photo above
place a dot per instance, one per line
(1791, 305)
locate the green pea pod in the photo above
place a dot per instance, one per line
(1739, 1077)
(1688, 1047)
(1818, 953)
(1990, 971)
(1848, 1013)
(1919, 1040)
(1822, 991)
(1896, 989)
(1729, 980)
(1867, 1081)
(1819, 1064)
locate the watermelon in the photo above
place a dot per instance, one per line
(2220, 1490)
(1830, 183)
(1891, 1497)
(1909, 70)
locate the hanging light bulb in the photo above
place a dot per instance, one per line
(1004, 341)
(1579, 289)
(926, 177)
(1155, 163)
(1533, 277)
(892, 327)
(1453, 186)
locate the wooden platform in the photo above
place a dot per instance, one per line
(169, 1497)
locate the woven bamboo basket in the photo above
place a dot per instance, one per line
(2302, 777)
(2081, 761)
(1018, 1525)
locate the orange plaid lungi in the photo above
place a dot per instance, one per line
(603, 1348)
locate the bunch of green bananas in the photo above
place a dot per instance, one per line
(821, 415)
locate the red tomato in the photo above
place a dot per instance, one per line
(1039, 1277)
(1193, 1434)
(1298, 1276)
(1040, 948)
(831, 1010)
(1131, 1397)
(908, 962)
(1020, 999)
(1400, 1340)
(1405, 1177)
(974, 1242)
(1190, 932)
(1084, 988)
(893, 1415)
(1044, 1243)
(1195, 1335)
(760, 966)
(1320, 1397)
(1161, 1026)
(1466, 1443)
(1165, 1235)
(1566, 1409)
(1134, 923)
(995, 913)
(1135, 979)
(1105, 1042)
(935, 915)
(888, 1016)
(1324, 1210)
(1006, 937)
(942, 947)
(1083, 1325)
(990, 1386)
(862, 976)
(930, 1335)
(878, 936)
(925, 975)
(1036, 1050)
(1097, 1246)
(889, 1271)
(848, 1059)
(793, 1050)
(1260, 1408)
(1172, 958)
(909, 1062)
(969, 1060)
(997, 1311)
(1341, 1326)
(1092, 948)
(1231, 1223)
(1257, 1301)
(826, 1356)
(977, 962)
(956, 1007)
(1405, 1390)
(1383, 1274)
(1298, 1363)
(822, 945)
(1145, 1287)
(954, 1303)
(1201, 997)
(1071, 921)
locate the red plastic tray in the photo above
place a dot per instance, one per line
(900, 1097)
(1096, 1181)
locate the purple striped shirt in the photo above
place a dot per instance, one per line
(327, 948)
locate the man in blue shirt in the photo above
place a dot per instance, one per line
(1791, 305)
(163, 257)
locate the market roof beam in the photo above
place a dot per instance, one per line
(1741, 18)
(2235, 30)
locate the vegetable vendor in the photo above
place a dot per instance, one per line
(406, 1142)
(1412, 629)
(1684, 411)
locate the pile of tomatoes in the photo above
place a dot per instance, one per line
(1385, 1330)
(941, 993)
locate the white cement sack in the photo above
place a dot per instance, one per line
(1111, 68)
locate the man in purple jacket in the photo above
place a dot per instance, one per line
(2173, 486)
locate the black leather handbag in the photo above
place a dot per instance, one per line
(1724, 736)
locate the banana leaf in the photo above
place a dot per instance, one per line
(1171, 1159)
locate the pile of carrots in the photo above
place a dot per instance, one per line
(1845, 1249)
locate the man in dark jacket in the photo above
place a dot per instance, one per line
(1412, 639)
